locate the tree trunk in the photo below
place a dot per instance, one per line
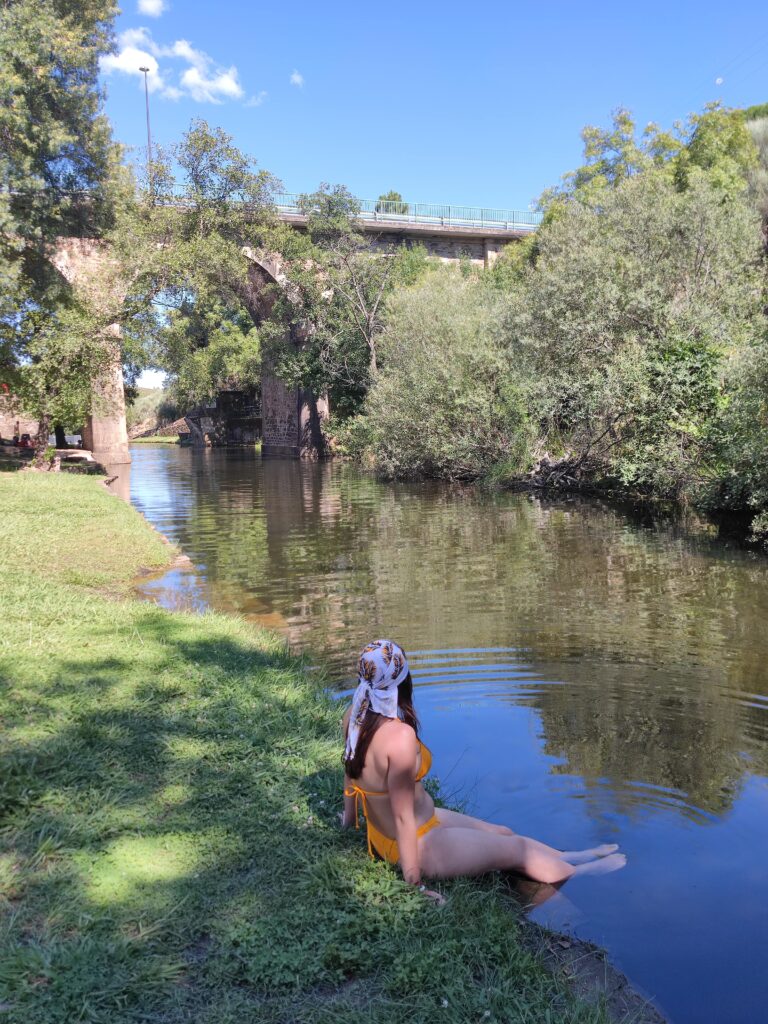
(61, 440)
(39, 460)
(313, 443)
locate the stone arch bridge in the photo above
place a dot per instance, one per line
(291, 417)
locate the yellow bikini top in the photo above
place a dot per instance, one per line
(426, 764)
(426, 761)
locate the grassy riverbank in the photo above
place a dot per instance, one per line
(169, 791)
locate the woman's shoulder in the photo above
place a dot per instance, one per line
(399, 736)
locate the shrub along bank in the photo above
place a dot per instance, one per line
(168, 797)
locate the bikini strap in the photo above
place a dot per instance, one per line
(356, 792)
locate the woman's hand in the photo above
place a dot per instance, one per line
(436, 897)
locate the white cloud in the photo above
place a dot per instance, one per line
(202, 80)
(152, 8)
(257, 100)
(297, 79)
(129, 60)
(181, 48)
(206, 88)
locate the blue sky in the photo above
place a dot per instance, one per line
(469, 104)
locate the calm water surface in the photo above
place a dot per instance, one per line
(583, 676)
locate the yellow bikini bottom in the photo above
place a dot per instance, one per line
(386, 847)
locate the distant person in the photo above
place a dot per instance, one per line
(385, 761)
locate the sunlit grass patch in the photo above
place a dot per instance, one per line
(133, 863)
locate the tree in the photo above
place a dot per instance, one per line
(57, 178)
(445, 403)
(210, 347)
(758, 175)
(333, 311)
(195, 302)
(715, 143)
(610, 157)
(625, 324)
(392, 202)
(718, 144)
(739, 438)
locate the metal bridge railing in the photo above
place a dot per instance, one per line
(428, 213)
(389, 210)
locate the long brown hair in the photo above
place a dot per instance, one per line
(373, 721)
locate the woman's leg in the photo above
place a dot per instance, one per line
(448, 852)
(452, 819)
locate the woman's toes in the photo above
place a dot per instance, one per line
(605, 849)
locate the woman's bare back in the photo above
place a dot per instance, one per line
(373, 778)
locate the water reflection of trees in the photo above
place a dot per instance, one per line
(619, 725)
(657, 634)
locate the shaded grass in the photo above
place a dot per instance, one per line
(168, 795)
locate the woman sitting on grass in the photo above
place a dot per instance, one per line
(385, 762)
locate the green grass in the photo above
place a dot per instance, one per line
(168, 795)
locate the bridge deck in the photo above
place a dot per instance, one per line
(418, 228)
(426, 218)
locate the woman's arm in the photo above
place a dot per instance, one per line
(348, 817)
(403, 754)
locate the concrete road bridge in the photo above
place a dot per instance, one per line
(291, 417)
(450, 233)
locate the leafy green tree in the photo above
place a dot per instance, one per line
(739, 438)
(392, 202)
(756, 112)
(327, 323)
(332, 212)
(716, 143)
(610, 157)
(444, 403)
(624, 325)
(196, 299)
(209, 347)
(58, 176)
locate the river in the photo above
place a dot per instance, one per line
(584, 675)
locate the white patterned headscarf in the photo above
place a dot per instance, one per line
(382, 667)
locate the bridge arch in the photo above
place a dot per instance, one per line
(292, 418)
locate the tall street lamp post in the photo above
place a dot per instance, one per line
(149, 134)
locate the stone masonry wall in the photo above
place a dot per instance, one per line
(450, 250)
(12, 422)
(280, 417)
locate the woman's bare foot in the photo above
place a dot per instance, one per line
(582, 856)
(613, 862)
